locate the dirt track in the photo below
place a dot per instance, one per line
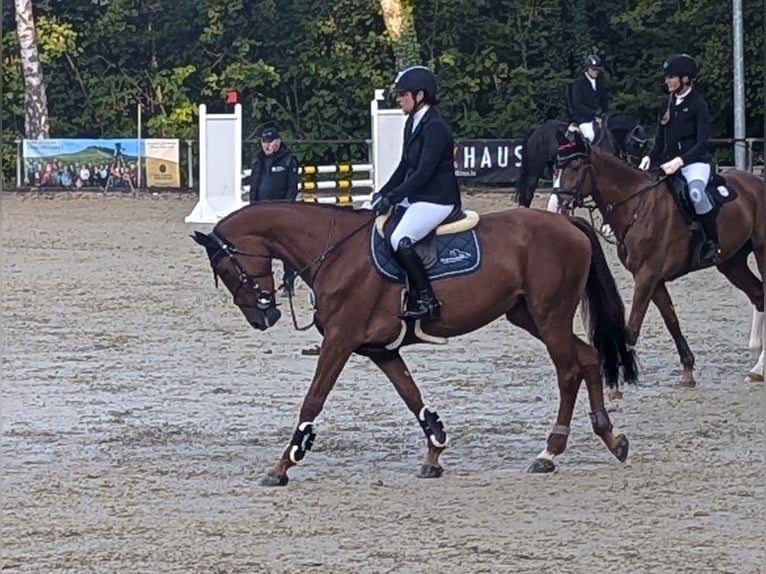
(139, 411)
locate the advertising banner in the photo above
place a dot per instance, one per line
(488, 161)
(162, 157)
(91, 163)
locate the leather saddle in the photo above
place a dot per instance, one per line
(427, 248)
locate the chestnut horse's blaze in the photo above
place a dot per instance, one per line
(536, 268)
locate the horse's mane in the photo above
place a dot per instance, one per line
(300, 205)
(615, 162)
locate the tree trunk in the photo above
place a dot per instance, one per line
(36, 124)
(400, 23)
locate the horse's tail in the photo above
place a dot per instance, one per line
(523, 192)
(606, 314)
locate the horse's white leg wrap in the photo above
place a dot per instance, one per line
(559, 430)
(756, 373)
(756, 331)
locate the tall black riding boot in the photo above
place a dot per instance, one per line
(711, 252)
(422, 302)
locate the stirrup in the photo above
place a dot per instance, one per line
(429, 308)
(711, 252)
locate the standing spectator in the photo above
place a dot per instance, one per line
(274, 177)
(589, 98)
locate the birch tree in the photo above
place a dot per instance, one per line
(36, 124)
(400, 24)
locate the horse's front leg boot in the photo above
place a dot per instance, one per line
(433, 427)
(302, 441)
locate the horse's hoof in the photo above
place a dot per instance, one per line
(688, 383)
(430, 471)
(274, 480)
(541, 466)
(753, 377)
(614, 394)
(621, 450)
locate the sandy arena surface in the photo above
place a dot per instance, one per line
(139, 411)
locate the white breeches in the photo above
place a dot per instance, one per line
(696, 171)
(420, 219)
(553, 203)
(587, 130)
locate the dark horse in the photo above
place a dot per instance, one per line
(658, 240)
(623, 136)
(533, 270)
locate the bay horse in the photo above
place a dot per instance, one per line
(657, 241)
(622, 135)
(533, 270)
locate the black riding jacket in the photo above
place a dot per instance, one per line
(686, 133)
(281, 169)
(588, 103)
(426, 171)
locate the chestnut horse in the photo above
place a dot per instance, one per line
(533, 270)
(655, 240)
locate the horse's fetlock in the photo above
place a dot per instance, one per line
(600, 421)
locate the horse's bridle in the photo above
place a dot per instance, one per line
(577, 199)
(264, 299)
(575, 195)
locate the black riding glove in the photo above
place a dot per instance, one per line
(380, 204)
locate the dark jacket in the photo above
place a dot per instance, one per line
(588, 103)
(281, 169)
(426, 171)
(686, 133)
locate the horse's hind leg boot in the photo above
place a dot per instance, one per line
(432, 427)
(302, 441)
(425, 305)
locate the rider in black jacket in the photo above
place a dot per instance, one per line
(589, 97)
(273, 177)
(683, 133)
(424, 183)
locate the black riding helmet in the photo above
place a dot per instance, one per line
(416, 78)
(680, 65)
(593, 61)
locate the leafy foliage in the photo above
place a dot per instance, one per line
(311, 67)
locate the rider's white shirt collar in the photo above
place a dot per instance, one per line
(419, 116)
(592, 80)
(680, 97)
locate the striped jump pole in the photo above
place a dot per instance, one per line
(309, 186)
(337, 168)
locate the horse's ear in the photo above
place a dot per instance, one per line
(201, 238)
(561, 138)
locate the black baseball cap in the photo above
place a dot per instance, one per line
(269, 134)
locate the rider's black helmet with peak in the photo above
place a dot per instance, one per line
(416, 78)
(680, 65)
(593, 61)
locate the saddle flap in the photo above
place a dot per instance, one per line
(717, 190)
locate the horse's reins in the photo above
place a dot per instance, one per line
(634, 216)
(328, 248)
(577, 200)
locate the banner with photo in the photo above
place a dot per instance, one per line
(162, 163)
(92, 163)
